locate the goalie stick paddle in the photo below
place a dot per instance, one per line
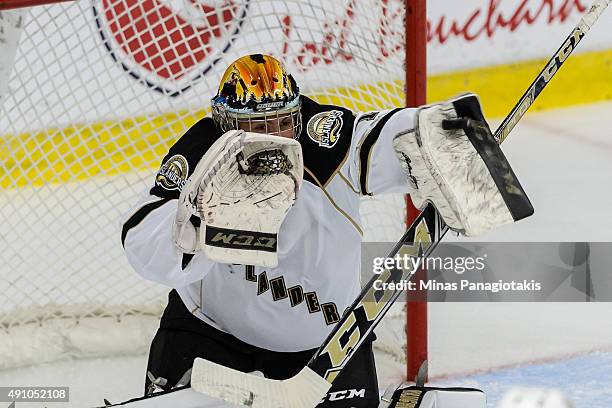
(309, 387)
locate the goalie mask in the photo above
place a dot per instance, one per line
(256, 94)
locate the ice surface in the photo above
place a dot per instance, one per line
(585, 380)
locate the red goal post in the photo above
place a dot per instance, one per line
(87, 114)
(416, 95)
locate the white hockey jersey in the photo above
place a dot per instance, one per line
(294, 306)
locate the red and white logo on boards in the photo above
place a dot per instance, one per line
(169, 44)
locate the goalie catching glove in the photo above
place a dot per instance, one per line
(241, 191)
(453, 160)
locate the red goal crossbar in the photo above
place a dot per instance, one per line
(13, 4)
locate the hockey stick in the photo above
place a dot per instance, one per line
(306, 389)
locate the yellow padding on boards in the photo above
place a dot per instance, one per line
(583, 78)
(82, 151)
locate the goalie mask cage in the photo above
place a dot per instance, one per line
(92, 94)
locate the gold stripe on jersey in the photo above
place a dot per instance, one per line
(198, 307)
(337, 171)
(348, 183)
(331, 200)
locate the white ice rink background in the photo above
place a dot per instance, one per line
(563, 159)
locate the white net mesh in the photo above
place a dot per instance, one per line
(96, 95)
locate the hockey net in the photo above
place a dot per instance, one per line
(92, 94)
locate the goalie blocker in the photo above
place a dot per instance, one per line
(452, 160)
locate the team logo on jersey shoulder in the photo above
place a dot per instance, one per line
(324, 128)
(173, 173)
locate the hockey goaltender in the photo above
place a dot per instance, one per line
(253, 221)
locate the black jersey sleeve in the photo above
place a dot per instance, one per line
(325, 138)
(182, 158)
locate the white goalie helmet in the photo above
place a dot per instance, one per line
(256, 94)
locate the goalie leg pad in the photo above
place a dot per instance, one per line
(435, 397)
(452, 159)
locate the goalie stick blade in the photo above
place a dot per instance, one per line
(304, 390)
